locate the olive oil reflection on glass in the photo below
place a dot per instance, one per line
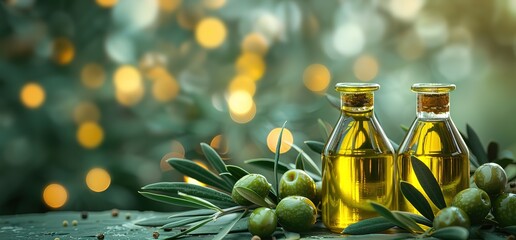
(358, 161)
(434, 139)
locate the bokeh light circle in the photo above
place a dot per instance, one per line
(251, 65)
(316, 77)
(32, 95)
(98, 180)
(286, 139)
(92, 75)
(349, 39)
(240, 102)
(90, 135)
(210, 32)
(366, 68)
(55, 195)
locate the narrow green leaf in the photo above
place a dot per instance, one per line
(428, 182)
(325, 128)
(213, 158)
(476, 146)
(307, 158)
(252, 196)
(408, 221)
(417, 199)
(386, 213)
(192, 228)
(236, 171)
(492, 151)
(291, 235)
(404, 128)
(276, 157)
(317, 147)
(368, 226)
(193, 213)
(200, 201)
(299, 162)
(510, 229)
(416, 217)
(451, 233)
(504, 162)
(269, 164)
(193, 170)
(223, 232)
(185, 221)
(191, 189)
(172, 200)
(335, 102)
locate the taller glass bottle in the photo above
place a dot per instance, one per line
(434, 139)
(358, 161)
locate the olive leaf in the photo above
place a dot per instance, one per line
(192, 213)
(368, 226)
(504, 162)
(191, 189)
(451, 233)
(475, 145)
(325, 128)
(216, 162)
(193, 170)
(192, 228)
(492, 151)
(387, 214)
(311, 162)
(317, 147)
(269, 164)
(223, 232)
(236, 171)
(416, 217)
(408, 222)
(252, 196)
(276, 157)
(335, 102)
(181, 202)
(417, 199)
(185, 221)
(299, 162)
(428, 182)
(404, 128)
(200, 201)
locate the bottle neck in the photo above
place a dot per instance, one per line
(433, 105)
(357, 103)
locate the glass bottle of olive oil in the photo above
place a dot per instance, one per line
(358, 161)
(434, 139)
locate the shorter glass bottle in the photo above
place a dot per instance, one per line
(358, 161)
(434, 139)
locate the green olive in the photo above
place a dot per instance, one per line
(263, 222)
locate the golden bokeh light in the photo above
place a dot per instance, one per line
(242, 83)
(286, 140)
(244, 118)
(98, 180)
(255, 43)
(250, 64)
(193, 181)
(92, 75)
(210, 32)
(164, 164)
(86, 112)
(63, 51)
(32, 95)
(240, 102)
(129, 99)
(214, 4)
(128, 79)
(55, 195)
(165, 86)
(178, 147)
(316, 77)
(90, 135)
(366, 68)
(169, 5)
(106, 3)
(220, 143)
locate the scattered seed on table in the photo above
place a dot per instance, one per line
(128, 216)
(167, 229)
(100, 236)
(57, 239)
(114, 212)
(84, 215)
(256, 237)
(74, 223)
(65, 223)
(155, 235)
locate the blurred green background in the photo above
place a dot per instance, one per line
(96, 94)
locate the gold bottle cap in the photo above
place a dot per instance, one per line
(432, 87)
(357, 87)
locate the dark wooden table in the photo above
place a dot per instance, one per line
(127, 225)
